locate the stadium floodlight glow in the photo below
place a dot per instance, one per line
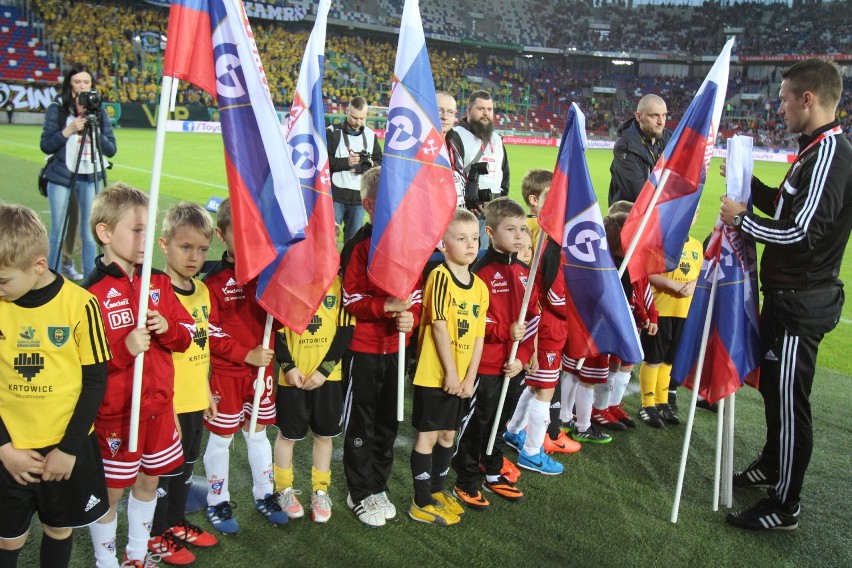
(622, 62)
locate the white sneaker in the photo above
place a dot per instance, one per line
(367, 511)
(69, 271)
(320, 507)
(289, 503)
(385, 505)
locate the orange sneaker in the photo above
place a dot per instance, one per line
(475, 501)
(505, 489)
(510, 471)
(561, 445)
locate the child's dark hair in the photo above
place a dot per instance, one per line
(223, 215)
(500, 208)
(621, 206)
(612, 225)
(535, 182)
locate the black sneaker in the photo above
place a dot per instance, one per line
(756, 476)
(650, 416)
(764, 516)
(673, 400)
(706, 405)
(592, 435)
(667, 414)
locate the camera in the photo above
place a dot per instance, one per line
(473, 196)
(91, 101)
(366, 162)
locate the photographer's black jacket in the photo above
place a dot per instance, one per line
(634, 156)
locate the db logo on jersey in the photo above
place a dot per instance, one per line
(120, 318)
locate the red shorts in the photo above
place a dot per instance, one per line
(595, 370)
(549, 365)
(234, 397)
(158, 449)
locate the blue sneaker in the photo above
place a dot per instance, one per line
(271, 510)
(222, 518)
(540, 462)
(515, 440)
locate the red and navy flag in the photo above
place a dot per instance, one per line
(681, 172)
(210, 44)
(294, 284)
(598, 313)
(417, 195)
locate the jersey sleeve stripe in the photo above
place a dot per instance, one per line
(439, 298)
(97, 334)
(825, 156)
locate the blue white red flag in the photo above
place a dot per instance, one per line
(733, 350)
(294, 284)
(210, 44)
(680, 173)
(417, 195)
(599, 317)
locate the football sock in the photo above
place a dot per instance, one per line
(602, 392)
(663, 379)
(521, 416)
(620, 379)
(583, 401)
(320, 480)
(55, 552)
(569, 392)
(216, 462)
(283, 477)
(441, 457)
(648, 383)
(539, 417)
(140, 514)
(421, 467)
(9, 558)
(260, 462)
(103, 543)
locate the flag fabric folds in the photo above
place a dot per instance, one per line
(673, 189)
(417, 196)
(210, 44)
(294, 284)
(598, 313)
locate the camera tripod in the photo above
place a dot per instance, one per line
(92, 134)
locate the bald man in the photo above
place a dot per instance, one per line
(641, 141)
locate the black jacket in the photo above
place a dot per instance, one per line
(633, 159)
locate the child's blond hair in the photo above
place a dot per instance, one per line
(23, 237)
(187, 214)
(370, 183)
(535, 182)
(499, 209)
(111, 204)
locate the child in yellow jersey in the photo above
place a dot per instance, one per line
(452, 334)
(53, 373)
(184, 241)
(310, 396)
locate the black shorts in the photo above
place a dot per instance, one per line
(320, 409)
(660, 348)
(75, 502)
(436, 410)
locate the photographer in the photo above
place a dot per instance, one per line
(355, 150)
(483, 157)
(64, 122)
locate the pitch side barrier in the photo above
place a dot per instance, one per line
(760, 154)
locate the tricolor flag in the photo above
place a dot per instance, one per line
(733, 350)
(210, 44)
(293, 285)
(417, 194)
(671, 194)
(598, 313)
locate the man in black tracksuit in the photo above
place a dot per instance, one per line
(805, 237)
(641, 141)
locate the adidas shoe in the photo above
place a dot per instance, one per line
(474, 500)
(191, 534)
(592, 435)
(509, 470)
(667, 414)
(515, 440)
(171, 549)
(448, 502)
(618, 413)
(151, 561)
(650, 416)
(569, 426)
(320, 507)
(540, 462)
(367, 511)
(385, 506)
(271, 510)
(765, 515)
(221, 516)
(561, 445)
(434, 514)
(605, 419)
(289, 503)
(505, 489)
(755, 476)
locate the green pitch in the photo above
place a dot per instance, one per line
(612, 505)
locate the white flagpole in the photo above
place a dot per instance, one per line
(168, 86)
(664, 179)
(720, 437)
(539, 247)
(260, 382)
(730, 421)
(400, 378)
(696, 383)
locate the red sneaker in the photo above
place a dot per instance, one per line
(605, 419)
(561, 445)
(618, 413)
(510, 471)
(171, 549)
(191, 534)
